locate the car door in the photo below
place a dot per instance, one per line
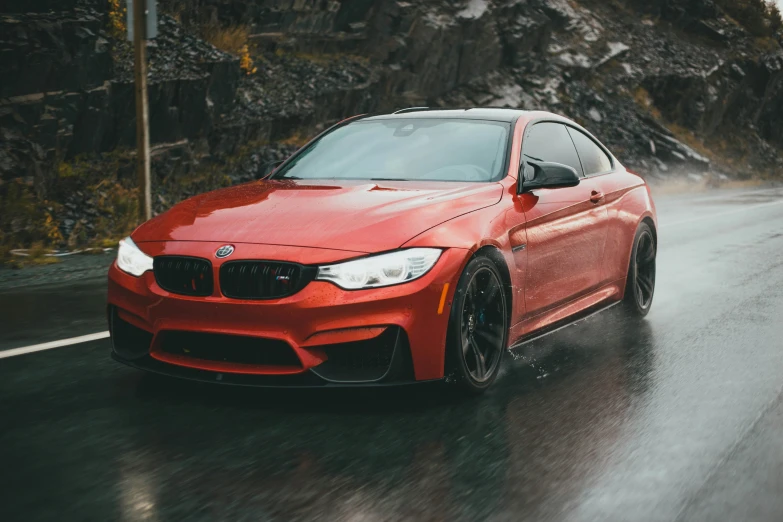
(565, 227)
(599, 169)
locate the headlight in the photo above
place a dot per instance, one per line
(132, 260)
(382, 270)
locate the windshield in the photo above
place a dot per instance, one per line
(406, 149)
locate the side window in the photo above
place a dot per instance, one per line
(594, 160)
(550, 142)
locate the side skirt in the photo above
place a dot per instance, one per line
(555, 327)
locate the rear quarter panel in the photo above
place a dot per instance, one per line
(628, 202)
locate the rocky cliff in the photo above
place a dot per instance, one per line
(671, 86)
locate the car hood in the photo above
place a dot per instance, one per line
(358, 216)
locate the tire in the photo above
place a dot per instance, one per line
(478, 326)
(640, 283)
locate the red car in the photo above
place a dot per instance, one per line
(390, 249)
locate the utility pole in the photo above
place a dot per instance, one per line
(139, 17)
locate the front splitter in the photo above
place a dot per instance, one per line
(306, 379)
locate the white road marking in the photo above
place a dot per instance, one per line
(53, 344)
(721, 214)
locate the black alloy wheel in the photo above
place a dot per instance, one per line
(478, 326)
(640, 286)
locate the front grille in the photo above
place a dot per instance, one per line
(183, 275)
(263, 279)
(228, 348)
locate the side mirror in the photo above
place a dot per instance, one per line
(544, 174)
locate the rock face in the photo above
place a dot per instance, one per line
(668, 85)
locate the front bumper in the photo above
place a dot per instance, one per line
(378, 336)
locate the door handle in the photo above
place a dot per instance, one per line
(596, 196)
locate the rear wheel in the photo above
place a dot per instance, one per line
(478, 326)
(640, 285)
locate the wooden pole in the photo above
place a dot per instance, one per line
(142, 112)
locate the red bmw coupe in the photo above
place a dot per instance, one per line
(390, 249)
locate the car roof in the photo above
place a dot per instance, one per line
(501, 114)
(476, 113)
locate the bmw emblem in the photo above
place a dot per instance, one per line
(224, 251)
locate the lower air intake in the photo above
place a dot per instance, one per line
(128, 341)
(222, 348)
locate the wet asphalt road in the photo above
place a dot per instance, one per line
(677, 418)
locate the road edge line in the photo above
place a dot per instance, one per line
(53, 344)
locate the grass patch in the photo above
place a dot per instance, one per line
(37, 255)
(235, 40)
(297, 139)
(118, 208)
(230, 39)
(645, 101)
(104, 208)
(767, 44)
(691, 140)
(323, 59)
(108, 243)
(24, 219)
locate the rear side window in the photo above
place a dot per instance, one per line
(551, 142)
(594, 160)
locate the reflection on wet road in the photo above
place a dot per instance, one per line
(678, 417)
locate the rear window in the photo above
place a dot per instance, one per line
(406, 149)
(594, 160)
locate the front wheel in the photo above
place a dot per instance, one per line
(478, 326)
(640, 285)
